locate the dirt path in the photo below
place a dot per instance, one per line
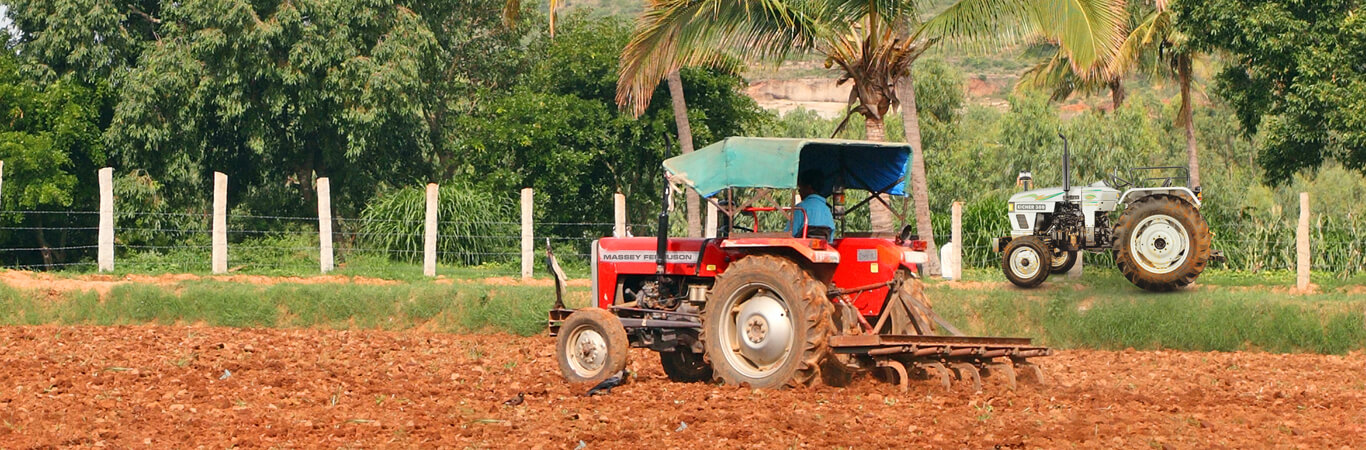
(173, 386)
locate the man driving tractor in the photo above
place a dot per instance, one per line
(812, 212)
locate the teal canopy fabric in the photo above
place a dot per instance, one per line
(775, 163)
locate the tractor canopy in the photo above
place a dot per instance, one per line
(749, 162)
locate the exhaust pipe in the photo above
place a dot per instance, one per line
(1066, 169)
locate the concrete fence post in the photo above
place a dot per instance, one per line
(957, 239)
(712, 220)
(219, 258)
(325, 225)
(105, 253)
(618, 215)
(1302, 260)
(1076, 270)
(429, 232)
(527, 234)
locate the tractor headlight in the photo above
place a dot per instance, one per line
(1010, 207)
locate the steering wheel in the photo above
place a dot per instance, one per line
(907, 233)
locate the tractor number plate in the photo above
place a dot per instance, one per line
(867, 255)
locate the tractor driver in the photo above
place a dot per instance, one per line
(812, 210)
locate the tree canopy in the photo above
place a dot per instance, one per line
(1296, 76)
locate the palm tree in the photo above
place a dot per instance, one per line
(873, 42)
(1153, 45)
(511, 11)
(1159, 47)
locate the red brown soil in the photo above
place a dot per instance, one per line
(169, 387)
(101, 284)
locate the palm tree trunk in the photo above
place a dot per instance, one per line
(879, 216)
(920, 190)
(1188, 117)
(1117, 94)
(680, 105)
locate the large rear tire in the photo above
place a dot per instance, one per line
(591, 346)
(767, 324)
(1161, 243)
(1026, 261)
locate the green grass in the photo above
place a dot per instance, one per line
(1227, 311)
(459, 307)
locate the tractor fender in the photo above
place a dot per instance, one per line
(813, 251)
(1183, 193)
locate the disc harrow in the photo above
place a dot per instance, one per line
(965, 359)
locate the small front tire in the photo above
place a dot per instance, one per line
(591, 346)
(1026, 261)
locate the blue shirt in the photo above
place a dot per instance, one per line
(820, 216)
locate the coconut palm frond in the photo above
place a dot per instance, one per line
(1057, 76)
(1089, 31)
(983, 25)
(672, 34)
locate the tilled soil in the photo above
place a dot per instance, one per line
(164, 386)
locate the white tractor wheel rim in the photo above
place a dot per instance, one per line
(1159, 244)
(757, 332)
(1024, 262)
(587, 351)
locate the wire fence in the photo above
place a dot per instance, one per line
(182, 242)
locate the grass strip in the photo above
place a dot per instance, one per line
(1102, 311)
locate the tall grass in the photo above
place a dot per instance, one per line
(475, 227)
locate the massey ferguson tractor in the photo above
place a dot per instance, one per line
(1160, 240)
(768, 309)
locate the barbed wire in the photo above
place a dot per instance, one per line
(1257, 245)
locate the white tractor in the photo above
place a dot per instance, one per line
(1160, 240)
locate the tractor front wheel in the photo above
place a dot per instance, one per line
(766, 324)
(591, 346)
(1027, 261)
(1161, 243)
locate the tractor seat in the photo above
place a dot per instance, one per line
(825, 233)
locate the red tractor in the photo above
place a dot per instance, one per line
(770, 309)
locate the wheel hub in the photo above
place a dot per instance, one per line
(588, 352)
(760, 331)
(1024, 261)
(756, 329)
(1159, 244)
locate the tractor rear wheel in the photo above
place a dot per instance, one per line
(767, 324)
(684, 366)
(1161, 243)
(1063, 261)
(591, 346)
(1026, 261)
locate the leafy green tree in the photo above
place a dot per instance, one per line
(93, 39)
(276, 93)
(559, 129)
(1296, 75)
(50, 143)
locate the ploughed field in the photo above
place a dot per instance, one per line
(170, 386)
